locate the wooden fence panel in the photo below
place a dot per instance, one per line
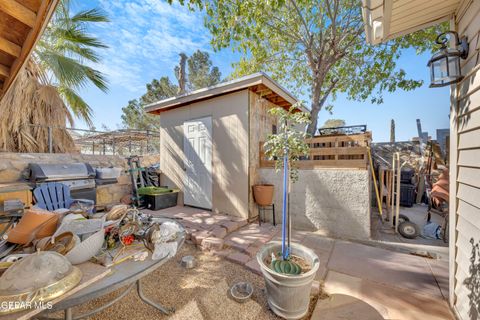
(340, 151)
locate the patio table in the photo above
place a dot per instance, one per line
(127, 274)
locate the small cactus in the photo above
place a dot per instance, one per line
(286, 267)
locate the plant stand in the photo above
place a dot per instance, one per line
(262, 209)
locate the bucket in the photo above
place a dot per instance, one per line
(263, 194)
(288, 295)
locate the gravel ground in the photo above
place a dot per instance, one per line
(199, 293)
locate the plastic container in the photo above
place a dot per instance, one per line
(108, 173)
(241, 291)
(161, 201)
(288, 295)
(407, 194)
(406, 175)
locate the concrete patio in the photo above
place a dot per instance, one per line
(361, 281)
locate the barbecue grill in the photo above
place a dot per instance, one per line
(79, 177)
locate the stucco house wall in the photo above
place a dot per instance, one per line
(229, 114)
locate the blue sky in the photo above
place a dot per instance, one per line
(145, 37)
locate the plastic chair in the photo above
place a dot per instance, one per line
(52, 196)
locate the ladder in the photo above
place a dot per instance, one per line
(136, 176)
(395, 198)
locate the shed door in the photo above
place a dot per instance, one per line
(197, 147)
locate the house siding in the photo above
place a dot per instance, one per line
(229, 153)
(465, 165)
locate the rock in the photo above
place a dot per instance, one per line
(239, 258)
(219, 232)
(212, 243)
(10, 175)
(198, 236)
(230, 226)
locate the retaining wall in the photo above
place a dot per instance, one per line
(13, 168)
(333, 202)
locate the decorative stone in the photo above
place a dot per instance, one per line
(198, 236)
(239, 258)
(253, 266)
(10, 175)
(230, 226)
(219, 232)
(212, 243)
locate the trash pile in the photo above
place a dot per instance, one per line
(44, 247)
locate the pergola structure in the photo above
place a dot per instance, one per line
(21, 24)
(121, 141)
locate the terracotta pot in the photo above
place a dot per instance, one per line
(34, 224)
(263, 194)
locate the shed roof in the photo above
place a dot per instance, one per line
(388, 19)
(21, 25)
(257, 82)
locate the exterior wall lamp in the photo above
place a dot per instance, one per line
(445, 64)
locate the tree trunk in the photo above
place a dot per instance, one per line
(314, 110)
(182, 74)
(318, 100)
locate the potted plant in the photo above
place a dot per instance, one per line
(288, 268)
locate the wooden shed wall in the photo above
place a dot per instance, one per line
(465, 167)
(260, 126)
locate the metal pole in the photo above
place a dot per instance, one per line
(93, 147)
(397, 211)
(103, 146)
(113, 146)
(50, 138)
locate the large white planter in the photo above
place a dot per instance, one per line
(288, 295)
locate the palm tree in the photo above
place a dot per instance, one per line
(45, 92)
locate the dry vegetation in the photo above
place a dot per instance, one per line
(29, 101)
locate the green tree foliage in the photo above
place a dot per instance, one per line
(288, 137)
(64, 55)
(313, 46)
(159, 89)
(134, 117)
(200, 74)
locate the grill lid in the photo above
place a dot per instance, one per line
(55, 172)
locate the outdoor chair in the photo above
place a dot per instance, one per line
(54, 196)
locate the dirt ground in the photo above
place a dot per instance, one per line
(199, 293)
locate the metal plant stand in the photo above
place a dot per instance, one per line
(262, 209)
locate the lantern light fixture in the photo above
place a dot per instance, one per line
(444, 65)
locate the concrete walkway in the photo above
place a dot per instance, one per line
(362, 281)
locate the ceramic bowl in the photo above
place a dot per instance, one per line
(87, 248)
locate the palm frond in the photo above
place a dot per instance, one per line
(92, 15)
(78, 106)
(75, 35)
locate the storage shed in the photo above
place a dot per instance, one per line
(209, 141)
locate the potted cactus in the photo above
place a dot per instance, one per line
(288, 268)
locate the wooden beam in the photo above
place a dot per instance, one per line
(45, 12)
(10, 47)
(4, 71)
(19, 12)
